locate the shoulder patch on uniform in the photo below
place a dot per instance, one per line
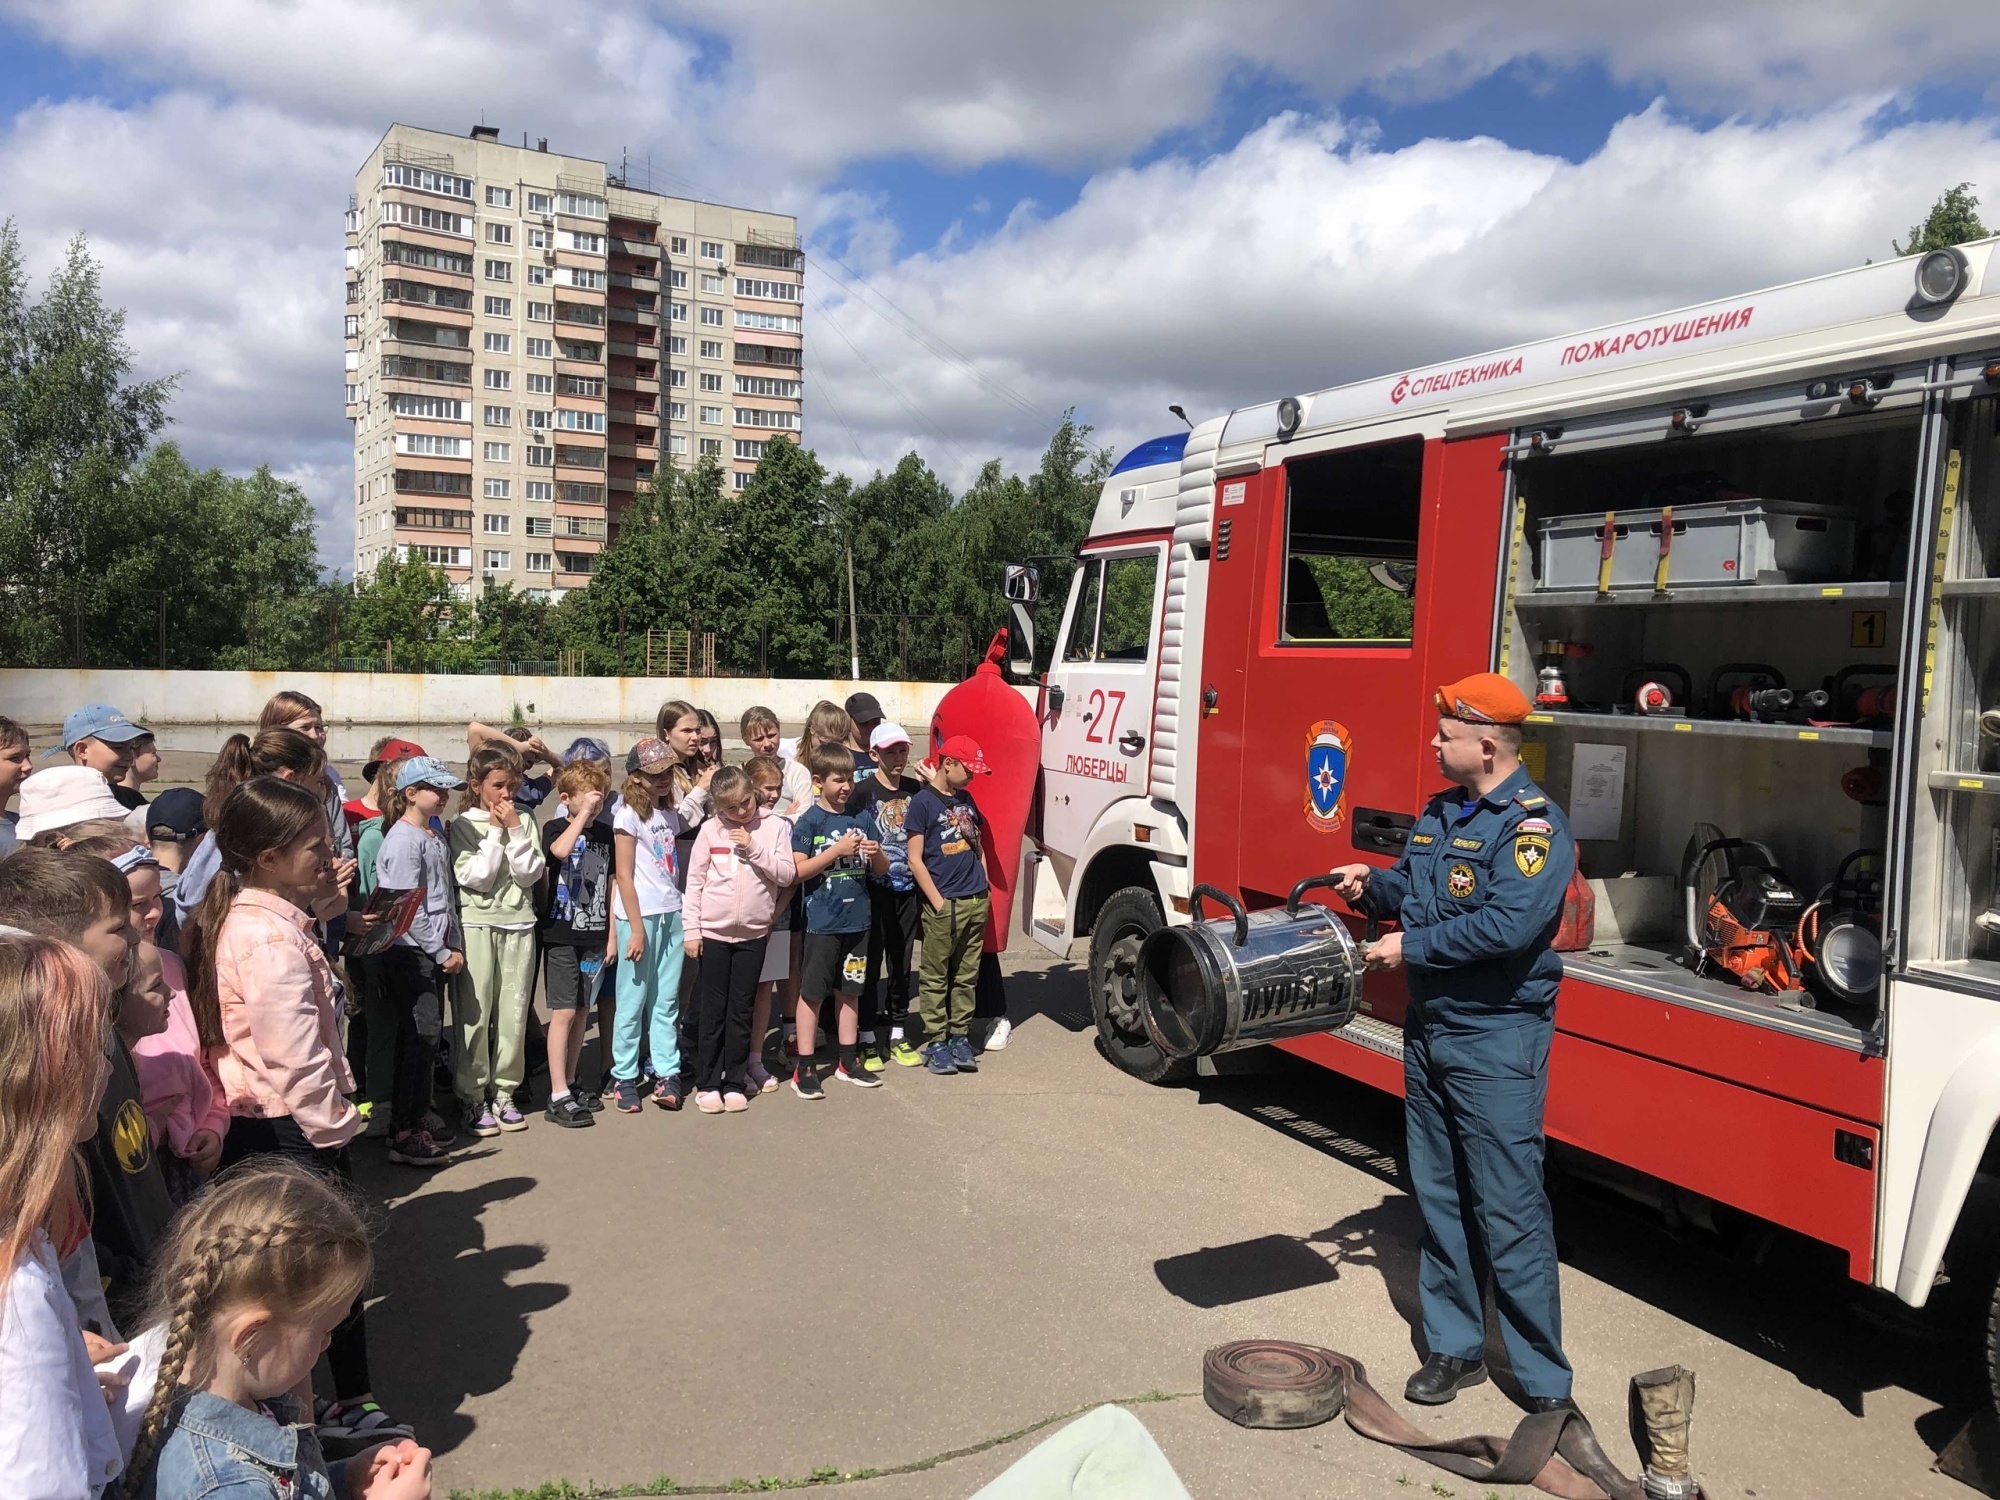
(1462, 842)
(1423, 838)
(1530, 800)
(1531, 853)
(1534, 825)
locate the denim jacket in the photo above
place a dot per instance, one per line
(219, 1451)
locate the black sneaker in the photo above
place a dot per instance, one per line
(415, 1148)
(860, 1077)
(568, 1112)
(805, 1082)
(591, 1099)
(433, 1124)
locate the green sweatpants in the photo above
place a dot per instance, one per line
(953, 940)
(489, 1014)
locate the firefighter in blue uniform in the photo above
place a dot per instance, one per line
(1478, 893)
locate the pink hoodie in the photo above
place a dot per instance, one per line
(178, 1086)
(734, 900)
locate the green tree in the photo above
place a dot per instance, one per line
(1953, 220)
(406, 615)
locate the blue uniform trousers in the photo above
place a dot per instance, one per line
(1473, 1113)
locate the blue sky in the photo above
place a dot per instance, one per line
(1046, 206)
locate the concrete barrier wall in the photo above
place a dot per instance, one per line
(391, 699)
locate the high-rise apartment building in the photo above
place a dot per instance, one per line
(528, 338)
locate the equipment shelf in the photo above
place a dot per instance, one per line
(1725, 593)
(1734, 728)
(1964, 781)
(1972, 588)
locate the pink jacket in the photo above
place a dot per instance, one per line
(178, 1087)
(280, 1033)
(734, 900)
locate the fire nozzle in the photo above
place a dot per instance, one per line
(1661, 1414)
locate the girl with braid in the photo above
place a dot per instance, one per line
(259, 1271)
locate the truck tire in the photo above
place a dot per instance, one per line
(1121, 926)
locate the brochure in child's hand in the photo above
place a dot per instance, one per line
(393, 911)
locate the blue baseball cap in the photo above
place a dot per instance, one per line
(100, 721)
(427, 770)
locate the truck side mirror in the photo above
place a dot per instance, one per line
(1021, 584)
(1021, 641)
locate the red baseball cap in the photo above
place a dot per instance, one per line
(965, 749)
(391, 750)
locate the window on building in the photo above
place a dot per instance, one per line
(541, 312)
(677, 379)
(587, 244)
(540, 457)
(582, 385)
(541, 348)
(498, 416)
(540, 275)
(538, 489)
(750, 448)
(677, 281)
(538, 239)
(434, 219)
(541, 385)
(712, 415)
(431, 445)
(580, 312)
(570, 420)
(711, 382)
(499, 343)
(713, 349)
(711, 317)
(496, 560)
(499, 307)
(397, 253)
(676, 344)
(499, 453)
(766, 385)
(579, 458)
(402, 367)
(434, 408)
(592, 528)
(497, 489)
(711, 447)
(677, 443)
(401, 174)
(541, 203)
(580, 277)
(711, 250)
(775, 291)
(714, 285)
(539, 562)
(740, 480)
(499, 270)
(499, 197)
(757, 416)
(677, 411)
(585, 353)
(770, 255)
(539, 525)
(776, 322)
(535, 419)
(580, 205)
(441, 557)
(429, 296)
(499, 234)
(499, 380)
(1351, 545)
(677, 312)
(496, 525)
(574, 493)
(678, 245)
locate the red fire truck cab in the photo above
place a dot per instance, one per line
(1747, 558)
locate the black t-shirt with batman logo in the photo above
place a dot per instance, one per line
(130, 1207)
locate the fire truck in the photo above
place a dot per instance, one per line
(1745, 557)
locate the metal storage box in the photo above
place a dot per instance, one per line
(1715, 541)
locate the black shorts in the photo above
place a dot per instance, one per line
(568, 988)
(834, 961)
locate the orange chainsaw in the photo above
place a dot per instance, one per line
(1742, 912)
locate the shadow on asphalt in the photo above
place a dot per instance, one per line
(1055, 993)
(1784, 1298)
(450, 1323)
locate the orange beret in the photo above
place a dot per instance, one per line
(1483, 698)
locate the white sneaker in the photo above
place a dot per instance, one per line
(378, 1123)
(996, 1039)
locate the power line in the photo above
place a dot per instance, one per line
(825, 395)
(909, 406)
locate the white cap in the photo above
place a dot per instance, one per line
(63, 795)
(886, 734)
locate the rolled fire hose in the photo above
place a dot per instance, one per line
(1275, 1383)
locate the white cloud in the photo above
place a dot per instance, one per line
(1301, 258)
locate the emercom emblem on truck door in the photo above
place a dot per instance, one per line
(1327, 747)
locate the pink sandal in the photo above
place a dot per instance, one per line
(734, 1103)
(708, 1102)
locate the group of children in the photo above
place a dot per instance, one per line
(256, 976)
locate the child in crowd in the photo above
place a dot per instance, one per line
(497, 864)
(358, 810)
(141, 766)
(280, 752)
(296, 712)
(893, 902)
(416, 970)
(56, 1436)
(102, 738)
(259, 1273)
(767, 779)
(62, 797)
(576, 934)
(263, 994)
(740, 870)
(646, 914)
(683, 727)
(864, 715)
(590, 747)
(82, 899)
(15, 763)
(533, 790)
(173, 828)
(836, 852)
(827, 724)
(943, 828)
(759, 727)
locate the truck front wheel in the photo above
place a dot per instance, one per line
(1121, 926)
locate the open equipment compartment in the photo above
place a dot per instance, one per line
(1953, 916)
(1676, 704)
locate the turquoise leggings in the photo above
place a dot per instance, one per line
(648, 999)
